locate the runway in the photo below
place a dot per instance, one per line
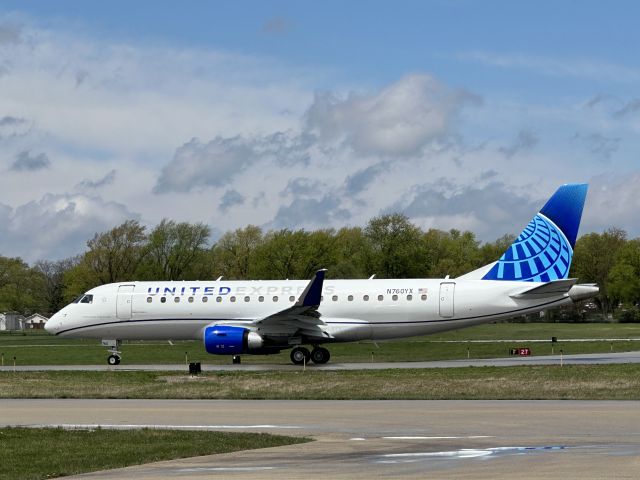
(375, 439)
(581, 359)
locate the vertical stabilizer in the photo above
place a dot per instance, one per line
(544, 249)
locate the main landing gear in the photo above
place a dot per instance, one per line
(112, 345)
(319, 355)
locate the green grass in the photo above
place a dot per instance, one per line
(29, 453)
(39, 348)
(614, 382)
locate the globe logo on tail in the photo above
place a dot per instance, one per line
(540, 254)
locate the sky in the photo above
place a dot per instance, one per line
(301, 114)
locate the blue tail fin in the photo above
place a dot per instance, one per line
(544, 249)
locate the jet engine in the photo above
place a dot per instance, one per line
(228, 340)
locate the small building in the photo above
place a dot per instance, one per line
(11, 321)
(35, 322)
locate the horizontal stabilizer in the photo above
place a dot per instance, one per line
(549, 289)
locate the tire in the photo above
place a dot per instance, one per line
(300, 355)
(320, 355)
(113, 360)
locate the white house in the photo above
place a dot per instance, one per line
(35, 321)
(11, 321)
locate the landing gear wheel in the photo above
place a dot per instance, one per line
(320, 355)
(113, 360)
(300, 355)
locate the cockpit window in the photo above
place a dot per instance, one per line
(87, 299)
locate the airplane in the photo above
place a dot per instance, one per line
(266, 317)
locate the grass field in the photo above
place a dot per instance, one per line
(39, 348)
(29, 453)
(580, 382)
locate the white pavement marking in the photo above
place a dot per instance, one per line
(437, 438)
(223, 469)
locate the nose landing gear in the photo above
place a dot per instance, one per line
(113, 359)
(112, 345)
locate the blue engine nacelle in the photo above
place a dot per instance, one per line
(227, 340)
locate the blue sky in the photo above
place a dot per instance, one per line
(312, 114)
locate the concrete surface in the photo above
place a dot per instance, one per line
(375, 439)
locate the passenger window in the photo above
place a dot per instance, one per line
(334, 298)
(163, 299)
(149, 299)
(380, 298)
(261, 298)
(423, 297)
(190, 299)
(232, 299)
(205, 299)
(365, 298)
(275, 299)
(218, 299)
(394, 298)
(177, 299)
(246, 299)
(292, 298)
(409, 298)
(350, 298)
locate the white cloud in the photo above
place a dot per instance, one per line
(613, 201)
(106, 96)
(56, 226)
(401, 119)
(197, 164)
(230, 139)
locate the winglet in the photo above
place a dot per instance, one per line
(313, 293)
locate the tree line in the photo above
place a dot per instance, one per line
(389, 246)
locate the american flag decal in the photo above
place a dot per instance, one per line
(422, 290)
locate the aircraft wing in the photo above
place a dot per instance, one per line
(303, 317)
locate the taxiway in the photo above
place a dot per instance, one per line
(581, 359)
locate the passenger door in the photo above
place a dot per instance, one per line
(447, 290)
(124, 302)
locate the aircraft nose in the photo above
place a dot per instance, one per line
(53, 324)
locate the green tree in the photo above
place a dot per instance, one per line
(53, 284)
(318, 252)
(21, 287)
(113, 256)
(451, 253)
(173, 249)
(395, 245)
(234, 253)
(280, 256)
(352, 254)
(593, 259)
(624, 278)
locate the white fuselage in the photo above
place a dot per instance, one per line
(350, 310)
